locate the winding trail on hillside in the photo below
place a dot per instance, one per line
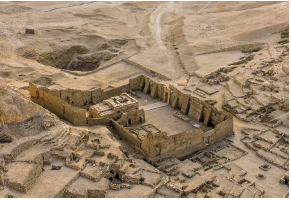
(158, 35)
(158, 21)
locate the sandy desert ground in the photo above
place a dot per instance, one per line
(240, 50)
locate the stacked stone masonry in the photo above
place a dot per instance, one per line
(154, 146)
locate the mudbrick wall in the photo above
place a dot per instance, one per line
(27, 184)
(37, 163)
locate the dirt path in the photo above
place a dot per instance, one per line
(158, 35)
(158, 21)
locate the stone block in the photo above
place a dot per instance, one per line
(185, 106)
(146, 88)
(154, 91)
(195, 111)
(207, 116)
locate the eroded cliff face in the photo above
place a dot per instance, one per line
(14, 108)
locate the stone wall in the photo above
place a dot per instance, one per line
(194, 99)
(153, 73)
(153, 146)
(132, 117)
(76, 97)
(134, 82)
(125, 134)
(43, 97)
(114, 91)
(64, 103)
(80, 97)
(222, 130)
(96, 95)
(158, 146)
(195, 111)
(98, 121)
(75, 115)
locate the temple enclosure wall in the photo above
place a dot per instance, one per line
(158, 146)
(63, 110)
(79, 97)
(154, 146)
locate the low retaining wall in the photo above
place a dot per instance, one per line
(156, 74)
(237, 47)
(79, 73)
(98, 121)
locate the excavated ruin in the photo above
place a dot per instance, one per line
(75, 58)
